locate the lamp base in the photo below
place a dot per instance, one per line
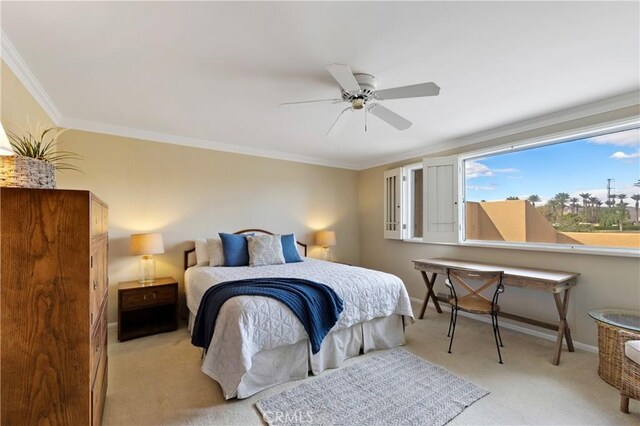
(147, 270)
(326, 254)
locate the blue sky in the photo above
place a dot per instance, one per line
(573, 167)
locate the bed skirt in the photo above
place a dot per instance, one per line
(294, 362)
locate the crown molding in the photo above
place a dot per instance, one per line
(14, 61)
(109, 129)
(601, 106)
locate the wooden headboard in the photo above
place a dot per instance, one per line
(187, 253)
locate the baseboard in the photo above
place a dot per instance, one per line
(510, 326)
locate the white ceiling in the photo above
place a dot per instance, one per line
(213, 74)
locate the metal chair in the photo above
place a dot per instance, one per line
(473, 301)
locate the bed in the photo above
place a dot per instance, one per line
(259, 343)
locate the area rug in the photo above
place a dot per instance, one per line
(393, 388)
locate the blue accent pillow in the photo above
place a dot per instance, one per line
(289, 249)
(235, 249)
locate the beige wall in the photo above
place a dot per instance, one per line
(606, 281)
(189, 193)
(17, 106)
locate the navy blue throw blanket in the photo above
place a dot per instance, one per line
(316, 305)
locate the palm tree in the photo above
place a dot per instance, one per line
(610, 203)
(553, 206)
(636, 198)
(574, 205)
(562, 198)
(585, 201)
(533, 199)
(512, 198)
(621, 197)
(593, 203)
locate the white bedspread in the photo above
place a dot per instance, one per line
(247, 325)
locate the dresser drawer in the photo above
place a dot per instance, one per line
(98, 341)
(97, 218)
(145, 297)
(99, 391)
(98, 282)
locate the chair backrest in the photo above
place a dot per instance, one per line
(487, 279)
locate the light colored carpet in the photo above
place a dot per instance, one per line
(156, 380)
(390, 388)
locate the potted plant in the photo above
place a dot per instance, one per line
(36, 159)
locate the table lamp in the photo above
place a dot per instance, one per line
(5, 146)
(146, 245)
(326, 239)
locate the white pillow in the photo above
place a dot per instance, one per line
(202, 252)
(265, 250)
(216, 255)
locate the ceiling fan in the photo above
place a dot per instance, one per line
(360, 91)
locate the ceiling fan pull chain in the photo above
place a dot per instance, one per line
(365, 119)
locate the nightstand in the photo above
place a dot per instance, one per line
(145, 309)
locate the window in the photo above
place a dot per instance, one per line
(403, 194)
(581, 191)
(393, 204)
(413, 193)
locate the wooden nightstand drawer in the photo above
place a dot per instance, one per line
(148, 297)
(147, 309)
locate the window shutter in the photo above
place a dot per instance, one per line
(393, 204)
(441, 199)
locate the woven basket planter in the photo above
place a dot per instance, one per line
(611, 352)
(24, 172)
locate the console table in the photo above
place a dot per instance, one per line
(558, 283)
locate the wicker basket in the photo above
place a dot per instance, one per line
(630, 379)
(610, 348)
(24, 172)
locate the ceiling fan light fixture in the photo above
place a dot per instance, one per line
(357, 103)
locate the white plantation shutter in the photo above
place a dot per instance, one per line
(393, 204)
(441, 199)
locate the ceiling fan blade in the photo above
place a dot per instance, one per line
(390, 117)
(413, 91)
(335, 101)
(337, 119)
(343, 75)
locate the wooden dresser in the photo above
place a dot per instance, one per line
(53, 307)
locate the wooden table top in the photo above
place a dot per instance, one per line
(540, 275)
(127, 285)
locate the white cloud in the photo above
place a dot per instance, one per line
(619, 155)
(626, 138)
(474, 169)
(481, 187)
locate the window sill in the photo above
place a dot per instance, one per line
(598, 251)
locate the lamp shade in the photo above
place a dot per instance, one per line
(326, 238)
(5, 146)
(146, 244)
